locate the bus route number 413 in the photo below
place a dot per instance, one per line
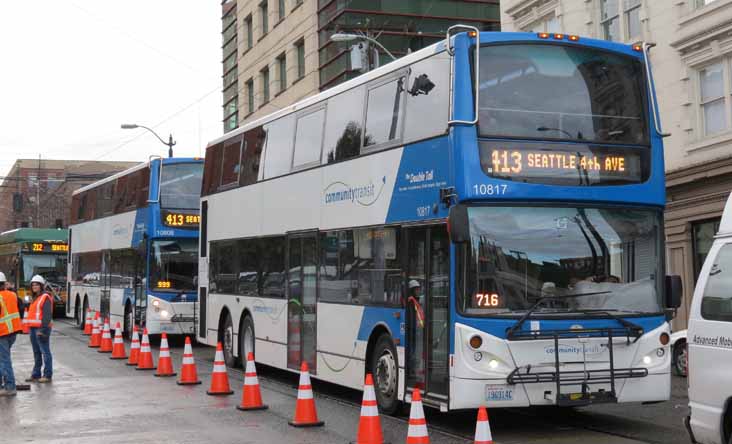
(490, 189)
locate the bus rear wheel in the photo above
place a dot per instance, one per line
(385, 370)
(129, 321)
(227, 341)
(79, 319)
(246, 338)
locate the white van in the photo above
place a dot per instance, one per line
(709, 340)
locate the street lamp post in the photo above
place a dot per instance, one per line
(170, 143)
(345, 37)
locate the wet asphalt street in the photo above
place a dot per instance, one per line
(94, 399)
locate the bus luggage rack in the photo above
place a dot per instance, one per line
(584, 378)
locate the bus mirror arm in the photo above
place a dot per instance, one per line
(651, 92)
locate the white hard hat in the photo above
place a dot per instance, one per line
(38, 278)
(2, 277)
(414, 284)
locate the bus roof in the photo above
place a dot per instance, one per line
(34, 235)
(139, 166)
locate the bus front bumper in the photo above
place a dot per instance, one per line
(173, 318)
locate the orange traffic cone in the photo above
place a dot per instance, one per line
(251, 398)
(369, 426)
(305, 414)
(95, 340)
(188, 371)
(219, 377)
(134, 347)
(106, 345)
(145, 362)
(24, 323)
(165, 364)
(118, 346)
(417, 431)
(88, 322)
(483, 428)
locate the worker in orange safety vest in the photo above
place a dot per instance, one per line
(40, 316)
(10, 325)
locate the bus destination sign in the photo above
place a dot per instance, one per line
(561, 164)
(46, 247)
(181, 220)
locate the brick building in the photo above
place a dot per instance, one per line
(37, 193)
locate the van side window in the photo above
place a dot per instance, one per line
(717, 298)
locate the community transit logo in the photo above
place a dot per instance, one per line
(363, 194)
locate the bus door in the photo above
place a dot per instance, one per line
(105, 284)
(140, 292)
(302, 288)
(427, 319)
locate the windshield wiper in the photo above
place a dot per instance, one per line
(625, 323)
(531, 310)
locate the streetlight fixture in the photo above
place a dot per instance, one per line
(170, 143)
(346, 37)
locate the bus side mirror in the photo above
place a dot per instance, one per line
(674, 291)
(457, 224)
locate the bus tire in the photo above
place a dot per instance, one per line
(128, 322)
(679, 359)
(84, 309)
(384, 366)
(246, 337)
(227, 341)
(78, 318)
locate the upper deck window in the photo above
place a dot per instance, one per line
(543, 91)
(180, 185)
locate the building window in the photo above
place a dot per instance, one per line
(264, 12)
(631, 9)
(281, 9)
(703, 236)
(282, 68)
(548, 24)
(265, 84)
(703, 3)
(250, 96)
(610, 19)
(713, 108)
(300, 49)
(249, 32)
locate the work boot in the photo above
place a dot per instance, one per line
(31, 379)
(8, 393)
(44, 380)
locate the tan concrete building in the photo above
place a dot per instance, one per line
(276, 52)
(692, 65)
(37, 192)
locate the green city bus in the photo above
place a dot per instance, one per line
(25, 252)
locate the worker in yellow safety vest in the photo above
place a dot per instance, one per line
(40, 316)
(9, 326)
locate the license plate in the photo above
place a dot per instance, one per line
(498, 393)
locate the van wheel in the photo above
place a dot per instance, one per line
(680, 359)
(385, 370)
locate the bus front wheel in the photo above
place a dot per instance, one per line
(79, 318)
(385, 370)
(246, 338)
(227, 340)
(129, 321)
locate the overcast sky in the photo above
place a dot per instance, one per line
(73, 70)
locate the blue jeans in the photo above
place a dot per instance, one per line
(41, 352)
(7, 377)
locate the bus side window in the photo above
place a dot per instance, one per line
(250, 158)
(343, 126)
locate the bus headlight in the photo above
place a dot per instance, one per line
(647, 360)
(156, 303)
(164, 314)
(493, 364)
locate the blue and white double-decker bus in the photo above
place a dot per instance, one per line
(482, 219)
(133, 246)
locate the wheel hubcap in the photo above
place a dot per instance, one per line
(681, 362)
(386, 374)
(248, 342)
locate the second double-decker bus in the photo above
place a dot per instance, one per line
(134, 246)
(26, 252)
(481, 219)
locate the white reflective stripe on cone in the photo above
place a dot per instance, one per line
(417, 430)
(369, 410)
(187, 350)
(251, 380)
(304, 378)
(219, 356)
(187, 360)
(417, 412)
(145, 348)
(164, 353)
(219, 368)
(135, 344)
(304, 394)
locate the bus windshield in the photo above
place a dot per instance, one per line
(180, 186)
(579, 259)
(51, 266)
(173, 264)
(546, 91)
